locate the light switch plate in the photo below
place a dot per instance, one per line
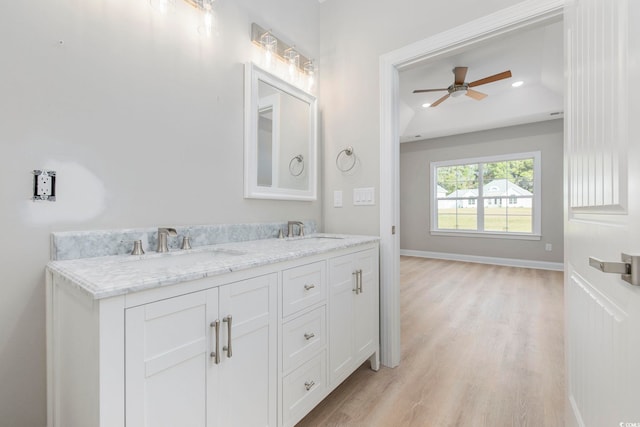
(364, 196)
(337, 199)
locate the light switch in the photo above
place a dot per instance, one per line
(364, 196)
(337, 199)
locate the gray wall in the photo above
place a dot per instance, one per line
(142, 118)
(353, 35)
(415, 182)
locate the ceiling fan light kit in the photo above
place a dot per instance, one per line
(460, 87)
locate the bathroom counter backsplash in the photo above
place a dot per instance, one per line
(107, 276)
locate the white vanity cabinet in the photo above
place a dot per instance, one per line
(191, 360)
(260, 346)
(354, 313)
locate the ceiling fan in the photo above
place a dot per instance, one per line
(459, 87)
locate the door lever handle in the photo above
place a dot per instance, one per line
(629, 268)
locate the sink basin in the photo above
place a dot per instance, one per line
(321, 238)
(181, 260)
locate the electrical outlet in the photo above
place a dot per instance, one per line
(44, 185)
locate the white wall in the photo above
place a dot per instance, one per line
(353, 35)
(415, 181)
(141, 117)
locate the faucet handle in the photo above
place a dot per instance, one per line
(137, 248)
(186, 243)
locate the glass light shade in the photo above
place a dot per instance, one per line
(270, 45)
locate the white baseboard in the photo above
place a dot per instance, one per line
(510, 262)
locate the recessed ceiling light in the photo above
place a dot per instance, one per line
(426, 105)
(517, 84)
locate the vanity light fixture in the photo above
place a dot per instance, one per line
(270, 45)
(162, 6)
(206, 6)
(292, 58)
(309, 70)
(275, 48)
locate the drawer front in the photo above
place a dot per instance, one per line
(303, 337)
(303, 389)
(303, 286)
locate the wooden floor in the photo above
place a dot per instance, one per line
(482, 345)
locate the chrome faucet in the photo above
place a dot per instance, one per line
(163, 232)
(290, 225)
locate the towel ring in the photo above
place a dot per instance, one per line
(349, 153)
(292, 165)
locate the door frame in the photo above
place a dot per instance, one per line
(527, 14)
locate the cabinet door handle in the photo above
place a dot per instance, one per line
(309, 336)
(309, 287)
(215, 354)
(309, 384)
(356, 289)
(360, 280)
(227, 347)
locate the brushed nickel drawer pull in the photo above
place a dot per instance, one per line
(357, 288)
(309, 336)
(227, 347)
(215, 355)
(309, 287)
(309, 384)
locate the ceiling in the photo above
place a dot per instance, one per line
(534, 57)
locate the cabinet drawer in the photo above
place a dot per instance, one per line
(302, 287)
(303, 389)
(303, 337)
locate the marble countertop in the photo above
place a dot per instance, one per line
(103, 277)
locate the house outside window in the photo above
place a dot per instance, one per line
(497, 196)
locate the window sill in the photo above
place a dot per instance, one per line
(486, 235)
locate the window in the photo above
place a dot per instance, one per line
(492, 196)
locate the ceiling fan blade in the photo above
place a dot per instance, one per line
(428, 90)
(435, 104)
(460, 74)
(490, 79)
(476, 95)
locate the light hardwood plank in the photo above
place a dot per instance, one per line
(482, 345)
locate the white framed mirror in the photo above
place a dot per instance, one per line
(280, 140)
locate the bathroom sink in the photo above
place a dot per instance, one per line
(308, 239)
(181, 260)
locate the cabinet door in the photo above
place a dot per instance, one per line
(366, 305)
(248, 375)
(341, 317)
(167, 361)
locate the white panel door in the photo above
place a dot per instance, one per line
(365, 306)
(167, 361)
(248, 367)
(603, 211)
(341, 331)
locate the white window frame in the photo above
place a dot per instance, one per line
(536, 211)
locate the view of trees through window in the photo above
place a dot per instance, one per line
(492, 196)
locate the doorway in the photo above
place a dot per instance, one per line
(524, 15)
